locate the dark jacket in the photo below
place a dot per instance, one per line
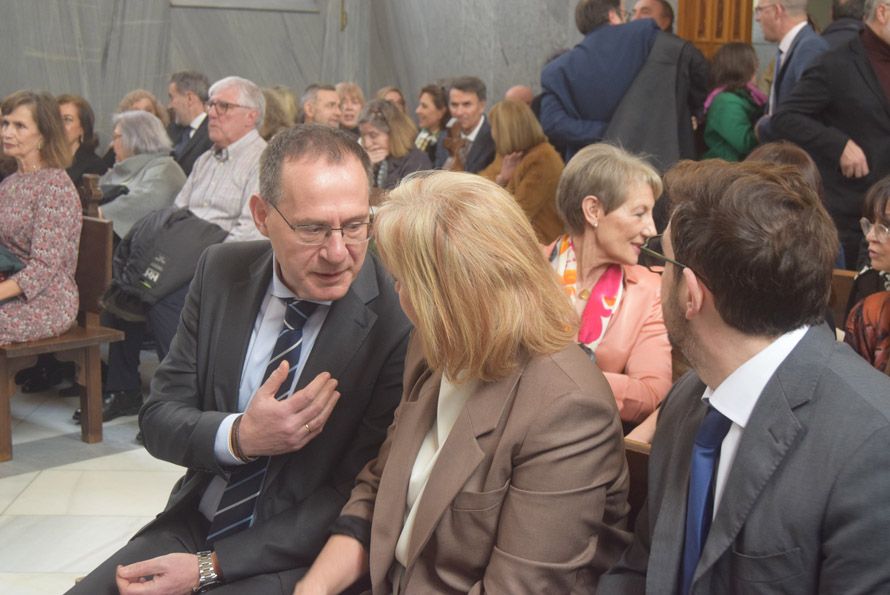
(841, 31)
(85, 162)
(399, 167)
(194, 148)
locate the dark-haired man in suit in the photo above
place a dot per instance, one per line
(767, 466)
(471, 132)
(188, 94)
(278, 388)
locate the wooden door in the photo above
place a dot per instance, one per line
(711, 23)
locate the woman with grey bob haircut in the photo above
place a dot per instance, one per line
(145, 177)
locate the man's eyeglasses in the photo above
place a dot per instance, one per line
(882, 232)
(222, 107)
(652, 247)
(316, 234)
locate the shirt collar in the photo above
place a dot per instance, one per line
(281, 291)
(240, 145)
(472, 136)
(786, 42)
(199, 119)
(739, 392)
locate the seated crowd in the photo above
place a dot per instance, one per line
(445, 412)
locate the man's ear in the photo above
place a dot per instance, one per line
(615, 18)
(259, 208)
(695, 294)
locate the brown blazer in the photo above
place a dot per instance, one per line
(528, 495)
(534, 187)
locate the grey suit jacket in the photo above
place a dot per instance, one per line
(805, 507)
(362, 345)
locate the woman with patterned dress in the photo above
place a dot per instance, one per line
(40, 221)
(606, 197)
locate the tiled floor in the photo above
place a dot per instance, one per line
(65, 505)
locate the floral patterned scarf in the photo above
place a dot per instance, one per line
(602, 300)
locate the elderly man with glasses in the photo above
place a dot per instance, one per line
(279, 387)
(218, 190)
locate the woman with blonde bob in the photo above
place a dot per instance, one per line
(387, 134)
(526, 165)
(606, 197)
(504, 470)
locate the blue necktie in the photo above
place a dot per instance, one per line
(774, 88)
(700, 500)
(238, 502)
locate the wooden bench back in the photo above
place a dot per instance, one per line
(841, 286)
(638, 467)
(90, 194)
(93, 274)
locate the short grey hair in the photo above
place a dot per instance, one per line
(310, 141)
(871, 8)
(190, 81)
(141, 132)
(794, 7)
(604, 171)
(249, 94)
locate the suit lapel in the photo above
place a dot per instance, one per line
(416, 414)
(770, 435)
(244, 296)
(664, 562)
(459, 457)
(786, 59)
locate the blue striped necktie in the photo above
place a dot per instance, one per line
(700, 500)
(237, 506)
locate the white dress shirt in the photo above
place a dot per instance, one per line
(738, 394)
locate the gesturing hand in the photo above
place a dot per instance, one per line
(376, 155)
(172, 574)
(272, 427)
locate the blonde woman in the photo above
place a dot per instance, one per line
(504, 470)
(352, 100)
(526, 165)
(387, 134)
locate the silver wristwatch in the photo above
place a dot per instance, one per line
(207, 576)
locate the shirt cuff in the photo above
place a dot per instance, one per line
(222, 448)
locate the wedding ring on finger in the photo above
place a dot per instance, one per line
(308, 427)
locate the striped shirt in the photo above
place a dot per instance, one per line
(221, 184)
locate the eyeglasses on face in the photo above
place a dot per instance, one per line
(882, 232)
(222, 107)
(653, 248)
(316, 234)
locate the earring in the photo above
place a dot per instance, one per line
(595, 224)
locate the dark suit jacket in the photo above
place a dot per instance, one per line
(527, 495)
(583, 87)
(194, 148)
(804, 509)
(481, 152)
(805, 49)
(361, 344)
(842, 31)
(840, 99)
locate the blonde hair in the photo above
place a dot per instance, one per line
(136, 95)
(604, 171)
(351, 91)
(482, 292)
(386, 117)
(514, 127)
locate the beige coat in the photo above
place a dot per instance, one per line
(528, 494)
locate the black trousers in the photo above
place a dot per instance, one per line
(123, 357)
(184, 533)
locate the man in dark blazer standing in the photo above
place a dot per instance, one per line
(840, 113)
(785, 22)
(188, 94)
(466, 100)
(767, 466)
(313, 424)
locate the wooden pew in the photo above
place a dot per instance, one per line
(841, 286)
(80, 344)
(638, 466)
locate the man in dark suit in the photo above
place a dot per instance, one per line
(472, 132)
(312, 424)
(785, 22)
(846, 22)
(763, 476)
(188, 94)
(840, 113)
